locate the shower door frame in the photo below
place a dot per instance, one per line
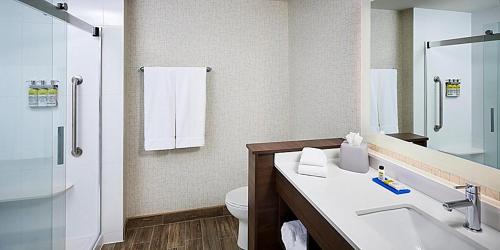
(60, 11)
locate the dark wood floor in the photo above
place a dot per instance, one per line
(213, 233)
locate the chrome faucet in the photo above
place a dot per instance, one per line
(472, 203)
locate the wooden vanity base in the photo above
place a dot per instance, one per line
(272, 200)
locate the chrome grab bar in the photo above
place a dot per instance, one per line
(439, 102)
(75, 150)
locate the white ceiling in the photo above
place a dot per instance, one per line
(454, 5)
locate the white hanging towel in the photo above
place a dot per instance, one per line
(159, 109)
(387, 100)
(374, 125)
(190, 106)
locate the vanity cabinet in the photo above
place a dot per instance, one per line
(273, 200)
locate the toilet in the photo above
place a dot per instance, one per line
(237, 204)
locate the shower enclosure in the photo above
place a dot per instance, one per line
(491, 80)
(50, 130)
(461, 96)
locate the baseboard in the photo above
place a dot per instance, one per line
(176, 216)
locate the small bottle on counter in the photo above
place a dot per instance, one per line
(381, 173)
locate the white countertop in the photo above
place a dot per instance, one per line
(342, 193)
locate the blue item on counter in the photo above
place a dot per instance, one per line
(381, 183)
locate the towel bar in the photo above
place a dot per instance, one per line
(141, 69)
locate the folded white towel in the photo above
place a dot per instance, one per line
(294, 235)
(312, 170)
(190, 106)
(313, 157)
(159, 109)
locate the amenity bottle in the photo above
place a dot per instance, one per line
(32, 94)
(43, 93)
(52, 94)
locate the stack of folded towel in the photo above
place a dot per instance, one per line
(313, 162)
(294, 235)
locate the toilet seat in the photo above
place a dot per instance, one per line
(238, 198)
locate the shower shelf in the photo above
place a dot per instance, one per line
(34, 195)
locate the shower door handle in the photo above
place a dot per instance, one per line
(75, 150)
(439, 104)
(492, 122)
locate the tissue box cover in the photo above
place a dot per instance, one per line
(354, 158)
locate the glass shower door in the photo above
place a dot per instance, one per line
(33, 110)
(491, 79)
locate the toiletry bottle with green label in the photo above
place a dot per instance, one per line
(32, 94)
(42, 94)
(52, 94)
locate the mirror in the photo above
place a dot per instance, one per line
(435, 75)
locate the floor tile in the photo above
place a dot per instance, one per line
(224, 228)
(143, 235)
(214, 233)
(160, 237)
(176, 235)
(229, 244)
(210, 237)
(140, 246)
(193, 230)
(196, 244)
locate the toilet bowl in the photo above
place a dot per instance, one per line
(237, 204)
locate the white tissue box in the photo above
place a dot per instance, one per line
(354, 158)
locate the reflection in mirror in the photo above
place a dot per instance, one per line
(435, 72)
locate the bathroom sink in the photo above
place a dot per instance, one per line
(407, 227)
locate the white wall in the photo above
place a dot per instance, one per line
(108, 15)
(445, 62)
(112, 121)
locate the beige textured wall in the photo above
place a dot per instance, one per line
(325, 67)
(246, 44)
(392, 47)
(250, 96)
